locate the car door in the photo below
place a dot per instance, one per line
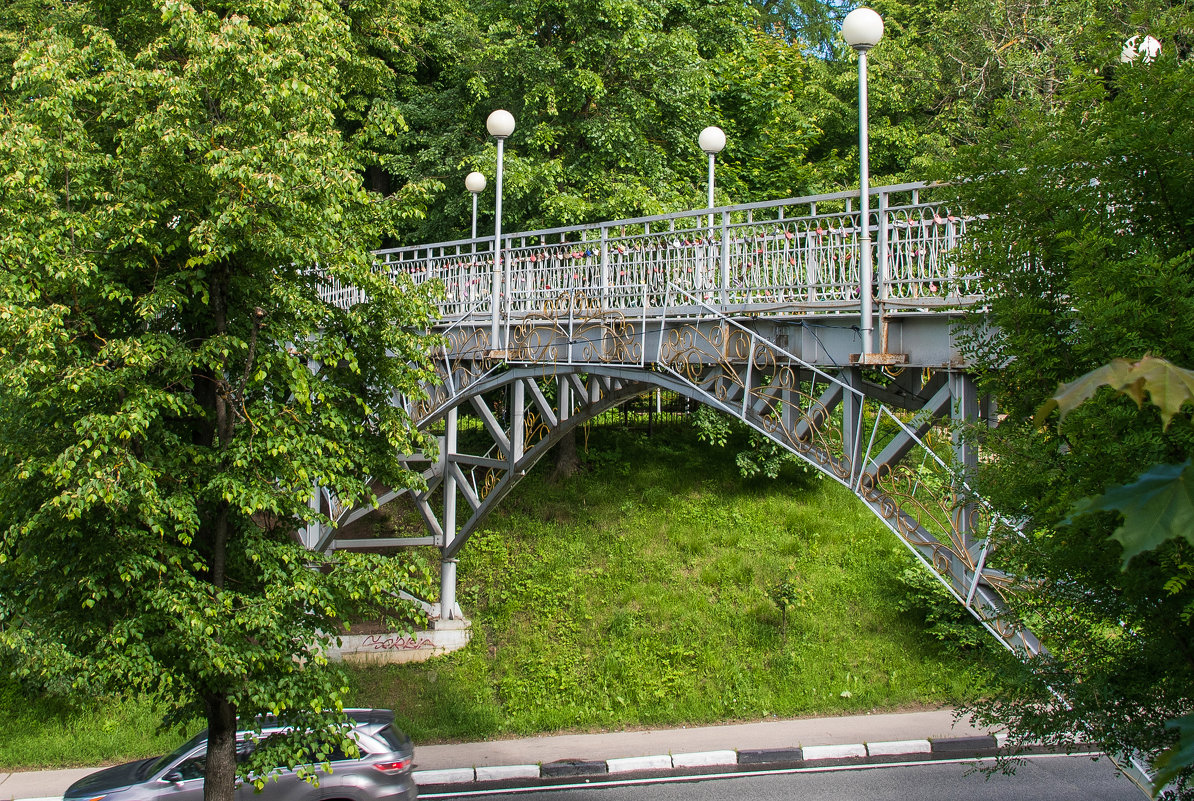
(281, 785)
(184, 780)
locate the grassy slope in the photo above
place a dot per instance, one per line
(52, 732)
(637, 593)
(633, 594)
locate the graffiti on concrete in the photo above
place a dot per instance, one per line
(396, 642)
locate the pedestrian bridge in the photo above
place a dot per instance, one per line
(753, 309)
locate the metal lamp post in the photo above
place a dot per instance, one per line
(862, 30)
(712, 141)
(500, 125)
(474, 182)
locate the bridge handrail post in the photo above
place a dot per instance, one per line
(642, 349)
(884, 272)
(428, 266)
(604, 261)
(667, 300)
(870, 445)
(572, 298)
(978, 568)
(725, 256)
(749, 377)
(811, 254)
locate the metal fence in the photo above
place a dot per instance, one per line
(647, 412)
(797, 253)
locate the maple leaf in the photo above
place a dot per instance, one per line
(1169, 387)
(1157, 506)
(1166, 385)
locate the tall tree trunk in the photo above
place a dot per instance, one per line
(566, 460)
(220, 776)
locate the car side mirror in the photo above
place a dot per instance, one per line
(174, 776)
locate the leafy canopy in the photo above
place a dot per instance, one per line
(177, 184)
(1088, 256)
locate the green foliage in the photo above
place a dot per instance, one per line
(919, 593)
(52, 730)
(608, 97)
(757, 455)
(1169, 387)
(171, 385)
(714, 427)
(1088, 256)
(1177, 760)
(813, 25)
(1156, 507)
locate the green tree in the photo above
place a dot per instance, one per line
(609, 98)
(1155, 508)
(811, 24)
(610, 95)
(1088, 254)
(177, 184)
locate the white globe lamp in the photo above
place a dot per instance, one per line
(474, 182)
(862, 29)
(712, 140)
(500, 124)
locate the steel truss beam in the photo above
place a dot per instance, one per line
(884, 436)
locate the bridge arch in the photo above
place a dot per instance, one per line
(875, 432)
(752, 309)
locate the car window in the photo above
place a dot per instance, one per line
(247, 746)
(390, 737)
(337, 753)
(194, 767)
(161, 763)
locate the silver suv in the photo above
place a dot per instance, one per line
(383, 771)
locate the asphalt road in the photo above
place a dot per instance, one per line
(1049, 778)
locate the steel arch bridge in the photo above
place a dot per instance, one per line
(751, 309)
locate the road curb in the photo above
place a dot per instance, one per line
(572, 769)
(698, 763)
(882, 752)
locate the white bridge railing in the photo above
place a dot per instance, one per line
(800, 254)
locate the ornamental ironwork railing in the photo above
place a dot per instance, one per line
(800, 254)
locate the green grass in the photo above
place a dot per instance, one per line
(638, 593)
(55, 732)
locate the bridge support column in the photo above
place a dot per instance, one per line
(563, 399)
(447, 589)
(518, 406)
(310, 535)
(965, 409)
(447, 572)
(852, 421)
